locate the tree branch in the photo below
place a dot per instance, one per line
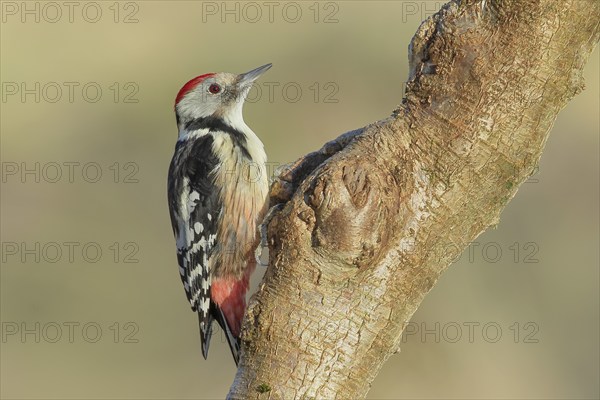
(369, 222)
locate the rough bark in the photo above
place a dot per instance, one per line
(368, 223)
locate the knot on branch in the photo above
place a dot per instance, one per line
(345, 211)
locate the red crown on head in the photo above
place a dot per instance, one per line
(190, 85)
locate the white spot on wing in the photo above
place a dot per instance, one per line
(205, 304)
(192, 199)
(198, 227)
(200, 244)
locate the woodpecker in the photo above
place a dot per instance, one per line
(217, 194)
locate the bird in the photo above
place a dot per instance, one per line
(217, 195)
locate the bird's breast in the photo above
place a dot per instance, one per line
(243, 187)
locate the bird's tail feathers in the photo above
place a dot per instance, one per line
(206, 332)
(234, 343)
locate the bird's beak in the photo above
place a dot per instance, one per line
(245, 81)
(249, 77)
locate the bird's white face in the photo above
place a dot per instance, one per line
(219, 95)
(215, 95)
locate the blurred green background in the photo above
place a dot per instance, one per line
(91, 301)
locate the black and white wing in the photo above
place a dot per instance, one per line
(194, 208)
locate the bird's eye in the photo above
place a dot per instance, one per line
(214, 88)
